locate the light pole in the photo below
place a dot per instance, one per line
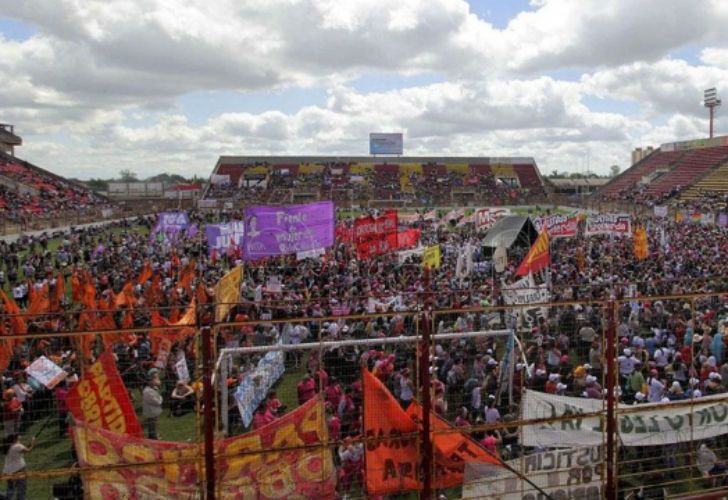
(711, 101)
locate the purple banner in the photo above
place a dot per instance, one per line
(169, 225)
(723, 219)
(222, 236)
(288, 229)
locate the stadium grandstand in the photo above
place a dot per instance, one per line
(28, 191)
(679, 171)
(400, 181)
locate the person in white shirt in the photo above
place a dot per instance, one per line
(656, 388)
(15, 462)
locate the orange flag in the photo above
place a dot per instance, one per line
(88, 297)
(86, 322)
(391, 464)
(126, 296)
(57, 294)
(186, 276)
(76, 287)
(39, 302)
(641, 251)
(537, 258)
(145, 274)
(17, 321)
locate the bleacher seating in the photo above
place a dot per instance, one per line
(28, 191)
(716, 182)
(622, 186)
(427, 183)
(691, 166)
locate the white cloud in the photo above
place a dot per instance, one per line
(96, 65)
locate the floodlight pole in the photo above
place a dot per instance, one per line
(711, 101)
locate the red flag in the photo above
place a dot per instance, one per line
(39, 301)
(100, 399)
(126, 296)
(537, 258)
(17, 321)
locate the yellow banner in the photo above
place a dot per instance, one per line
(431, 257)
(227, 292)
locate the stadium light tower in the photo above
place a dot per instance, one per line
(711, 101)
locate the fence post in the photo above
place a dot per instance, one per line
(209, 421)
(611, 383)
(425, 364)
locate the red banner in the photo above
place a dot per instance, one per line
(100, 399)
(388, 243)
(369, 227)
(172, 470)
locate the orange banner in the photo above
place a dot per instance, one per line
(453, 449)
(299, 472)
(391, 464)
(100, 399)
(537, 258)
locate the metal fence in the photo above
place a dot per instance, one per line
(588, 433)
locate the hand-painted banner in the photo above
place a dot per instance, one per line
(392, 457)
(255, 386)
(562, 473)
(172, 470)
(486, 217)
(227, 292)
(271, 230)
(221, 236)
(100, 399)
(557, 226)
(616, 224)
(648, 424)
(367, 228)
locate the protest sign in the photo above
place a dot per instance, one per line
(46, 372)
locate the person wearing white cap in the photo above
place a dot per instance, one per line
(639, 398)
(554, 379)
(560, 389)
(675, 393)
(626, 363)
(714, 385)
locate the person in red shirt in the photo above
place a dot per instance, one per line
(554, 379)
(334, 423)
(273, 404)
(333, 393)
(306, 389)
(12, 412)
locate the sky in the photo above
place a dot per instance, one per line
(154, 86)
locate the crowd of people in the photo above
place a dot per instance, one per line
(668, 350)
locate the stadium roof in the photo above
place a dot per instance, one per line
(489, 160)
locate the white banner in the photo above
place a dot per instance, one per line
(311, 254)
(564, 473)
(206, 203)
(46, 372)
(618, 224)
(648, 424)
(486, 217)
(525, 292)
(660, 211)
(256, 384)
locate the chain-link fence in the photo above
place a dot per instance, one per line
(615, 399)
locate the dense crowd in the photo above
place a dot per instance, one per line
(668, 349)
